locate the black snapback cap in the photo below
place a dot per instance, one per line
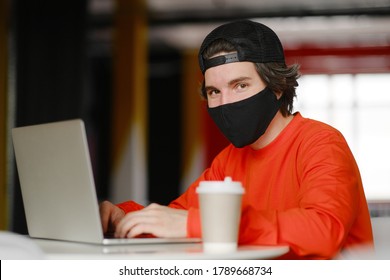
(253, 41)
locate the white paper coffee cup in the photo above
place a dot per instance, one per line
(220, 208)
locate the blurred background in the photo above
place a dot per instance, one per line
(129, 70)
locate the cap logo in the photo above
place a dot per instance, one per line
(219, 60)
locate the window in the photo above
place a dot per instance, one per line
(358, 105)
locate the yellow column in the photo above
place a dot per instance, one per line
(193, 148)
(129, 134)
(3, 114)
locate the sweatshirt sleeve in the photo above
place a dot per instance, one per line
(130, 206)
(189, 200)
(328, 204)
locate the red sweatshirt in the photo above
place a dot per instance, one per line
(303, 190)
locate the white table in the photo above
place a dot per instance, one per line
(69, 250)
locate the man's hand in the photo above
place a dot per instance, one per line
(110, 216)
(161, 221)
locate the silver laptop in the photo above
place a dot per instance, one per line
(57, 185)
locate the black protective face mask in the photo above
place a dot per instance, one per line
(243, 122)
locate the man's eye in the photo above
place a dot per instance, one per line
(212, 92)
(242, 86)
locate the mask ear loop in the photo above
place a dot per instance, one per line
(279, 101)
(279, 97)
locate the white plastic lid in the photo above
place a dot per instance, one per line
(226, 186)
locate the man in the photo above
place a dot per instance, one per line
(303, 187)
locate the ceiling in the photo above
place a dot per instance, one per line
(184, 23)
(165, 11)
(174, 11)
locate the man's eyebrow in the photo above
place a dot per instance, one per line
(232, 82)
(208, 88)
